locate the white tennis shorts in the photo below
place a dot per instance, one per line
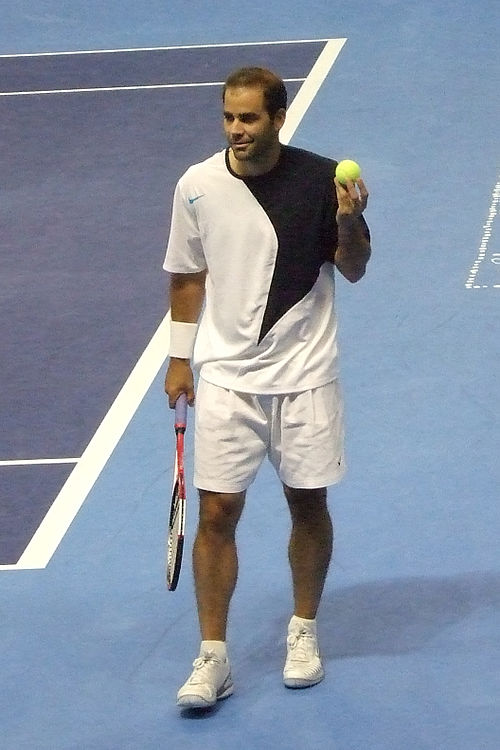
(301, 433)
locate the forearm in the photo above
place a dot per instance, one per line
(353, 249)
(187, 292)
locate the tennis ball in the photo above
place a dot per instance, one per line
(347, 170)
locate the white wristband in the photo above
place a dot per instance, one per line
(182, 338)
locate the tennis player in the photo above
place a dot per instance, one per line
(257, 231)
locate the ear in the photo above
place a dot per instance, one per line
(279, 119)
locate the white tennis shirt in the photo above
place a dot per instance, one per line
(269, 322)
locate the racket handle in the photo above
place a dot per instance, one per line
(181, 411)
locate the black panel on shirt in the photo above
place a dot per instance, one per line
(298, 195)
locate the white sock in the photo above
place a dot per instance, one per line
(302, 622)
(218, 647)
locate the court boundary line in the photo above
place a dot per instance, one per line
(137, 87)
(85, 474)
(78, 485)
(159, 49)
(37, 461)
(306, 94)
(484, 244)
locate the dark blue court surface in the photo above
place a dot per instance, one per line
(152, 67)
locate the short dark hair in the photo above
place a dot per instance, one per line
(273, 88)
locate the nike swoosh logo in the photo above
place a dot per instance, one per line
(196, 197)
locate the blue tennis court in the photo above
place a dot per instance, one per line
(102, 110)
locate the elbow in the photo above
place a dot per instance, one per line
(353, 272)
(352, 265)
(355, 275)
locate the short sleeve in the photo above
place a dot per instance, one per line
(184, 248)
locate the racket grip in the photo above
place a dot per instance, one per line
(181, 410)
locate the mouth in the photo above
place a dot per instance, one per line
(240, 145)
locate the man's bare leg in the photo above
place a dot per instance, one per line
(310, 547)
(215, 560)
(310, 551)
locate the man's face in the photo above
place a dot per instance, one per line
(250, 131)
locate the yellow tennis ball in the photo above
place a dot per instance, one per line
(347, 170)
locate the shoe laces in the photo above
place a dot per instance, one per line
(301, 644)
(208, 659)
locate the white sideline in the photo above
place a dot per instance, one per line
(83, 477)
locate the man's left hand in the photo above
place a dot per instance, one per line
(352, 199)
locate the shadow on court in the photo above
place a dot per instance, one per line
(400, 616)
(392, 617)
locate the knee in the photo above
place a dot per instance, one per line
(307, 504)
(220, 512)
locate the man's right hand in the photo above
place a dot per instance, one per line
(179, 379)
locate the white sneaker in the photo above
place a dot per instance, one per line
(209, 682)
(303, 666)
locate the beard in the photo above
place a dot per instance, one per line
(256, 150)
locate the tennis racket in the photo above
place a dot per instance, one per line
(177, 519)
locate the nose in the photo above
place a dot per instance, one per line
(235, 127)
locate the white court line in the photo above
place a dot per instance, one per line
(37, 92)
(70, 499)
(83, 477)
(485, 239)
(39, 461)
(310, 88)
(159, 49)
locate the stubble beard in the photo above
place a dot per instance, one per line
(256, 152)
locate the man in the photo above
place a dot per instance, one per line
(256, 232)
